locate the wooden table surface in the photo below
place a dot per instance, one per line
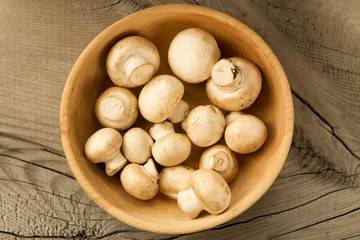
(317, 194)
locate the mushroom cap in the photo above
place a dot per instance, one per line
(234, 85)
(132, 61)
(221, 159)
(103, 145)
(116, 108)
(245, 134)
(137, 145)
(192, 54)
(211, 189)
(205, 125)
(159, 97)
(174, 179)
(172, 149)
(137, 182)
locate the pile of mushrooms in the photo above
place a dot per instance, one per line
(152, 160)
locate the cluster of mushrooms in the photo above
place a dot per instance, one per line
(232, 84)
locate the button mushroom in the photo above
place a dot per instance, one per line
(104, 146)
(170, 148)
(137, 145)
(140, 181)
(160, 97)
(132, 61)
(174, 179)
(192, 54)
(116, 108)
(209, 191)
(220, 159)
(234, 85)
(204, 125)
(231, 116)
(245, 134)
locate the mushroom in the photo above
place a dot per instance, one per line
(192, 54)
(209, 191)
(170, 148)
(220, 159)
(104, 146)
(132, 61)
(160, 99)
(245, 134)
(137, 145)
(234, 85)
(180, 112)
(140, 181)
(174, 179)
(204, 125)
(116, 108)
(231, 116)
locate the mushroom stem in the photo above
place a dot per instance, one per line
(231, 116)
(150, 168)
(219, 161)
(158, 130)
(112, 108)
(115, 164)
(180, 112)
(226, 74)
(183, 125)
(189, 203)
(138, 69)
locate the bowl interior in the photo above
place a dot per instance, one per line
(88, 79)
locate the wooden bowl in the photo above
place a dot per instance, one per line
(88, 79)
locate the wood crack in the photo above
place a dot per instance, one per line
(196, 2)
(351, 237)
(318, 173)
(108, 6)
(34, 236)
(283, 211)
(319, 222)
(41, 146)
(331, 128)
(113, 233)
(38, 165)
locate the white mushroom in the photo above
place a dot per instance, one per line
(140, 181)
(116, 108)
(245, 134)
(174, 179)
(104, 146)
(132, 61)
(204, 125)
(209, 191)
(234, 85)
(192, 54)
(180, 112)
(220, 159)
(137, 145)
(231, 116)
(170, 148)
(158, 130)
(160, 97)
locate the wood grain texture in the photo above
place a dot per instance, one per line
(317, 193)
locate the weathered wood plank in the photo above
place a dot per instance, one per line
(316, 195)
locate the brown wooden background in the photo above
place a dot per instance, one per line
(316, 196)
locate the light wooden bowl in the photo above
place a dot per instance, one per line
(88, 79)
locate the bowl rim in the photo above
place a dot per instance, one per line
(151, 226)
